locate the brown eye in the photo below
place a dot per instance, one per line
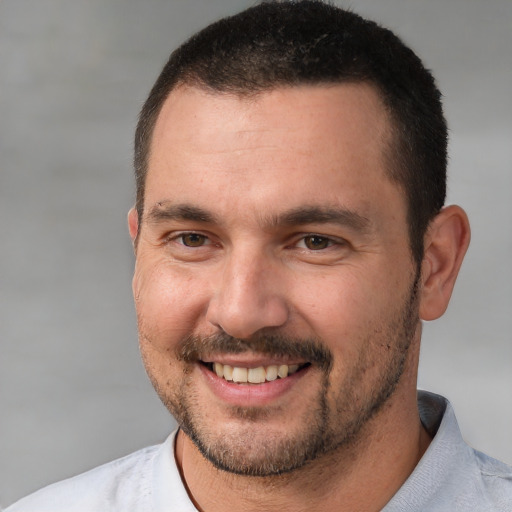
(193, 240)
(316, 243)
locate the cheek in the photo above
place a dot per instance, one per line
(352, 310)
(342, 301)
(168, 305)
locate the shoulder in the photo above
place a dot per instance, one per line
(123, 484)
(472, 479)
(451, 475)
(496, 480)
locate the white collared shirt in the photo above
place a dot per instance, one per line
(450, 477)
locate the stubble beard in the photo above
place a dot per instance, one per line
(327, 425)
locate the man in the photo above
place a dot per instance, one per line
(290, 236)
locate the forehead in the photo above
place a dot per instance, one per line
(315, 112)
(309, 143)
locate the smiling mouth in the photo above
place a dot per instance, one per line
(259, 375)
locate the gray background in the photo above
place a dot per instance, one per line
(73, 75)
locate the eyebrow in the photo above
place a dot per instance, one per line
(302, 215)
(162, 212)
(324, 215)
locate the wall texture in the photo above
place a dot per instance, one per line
(73, 75)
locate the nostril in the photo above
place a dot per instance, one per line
(244, 318)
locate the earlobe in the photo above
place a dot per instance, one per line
(446, 242)
(133, 224)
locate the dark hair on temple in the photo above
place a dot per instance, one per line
(291, 43)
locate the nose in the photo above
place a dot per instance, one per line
(248, 296)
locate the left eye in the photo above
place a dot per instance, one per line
(193, 239)
(315, 242)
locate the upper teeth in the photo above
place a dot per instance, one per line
(254, 375)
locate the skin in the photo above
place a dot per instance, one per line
(248, 268)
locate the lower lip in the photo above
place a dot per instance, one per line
(251, 395)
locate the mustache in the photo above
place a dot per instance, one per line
(193, 348)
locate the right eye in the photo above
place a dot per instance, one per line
(192, 239)
(316, 242)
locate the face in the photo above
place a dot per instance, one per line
(274, 283)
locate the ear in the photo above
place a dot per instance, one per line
(446, 242)
(133, 224)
